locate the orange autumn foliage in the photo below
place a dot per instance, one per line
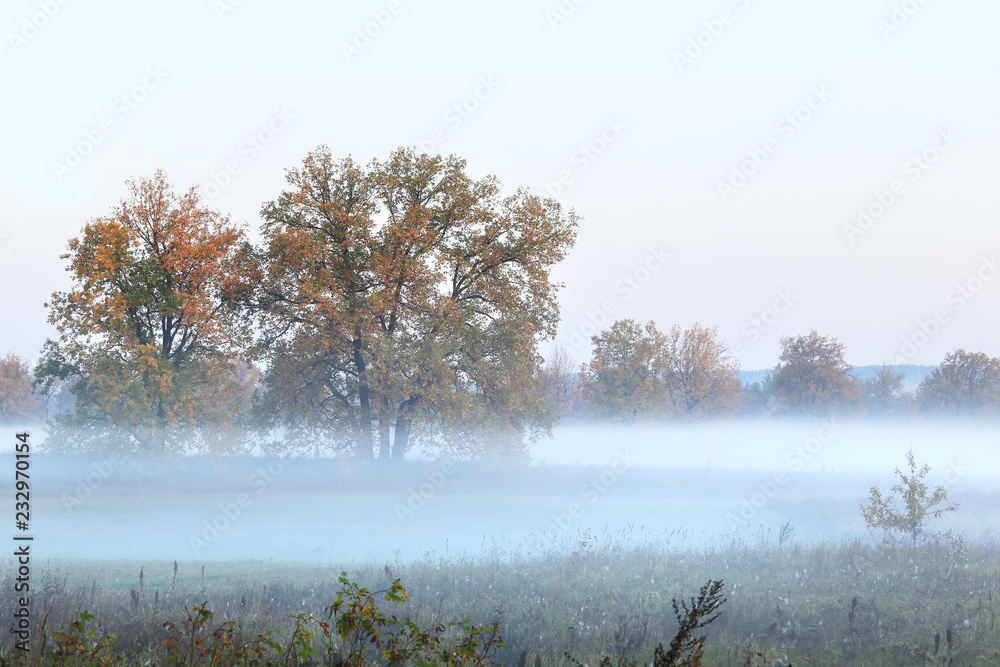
(149, 329)
(404, 301)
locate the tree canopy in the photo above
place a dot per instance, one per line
(149, 329)
(701, 377)
(17, 399)
(404, 301)
(639, 372)
(883, 393)
(812, 376)
(966, 383)
(392, 305)
(624, 379)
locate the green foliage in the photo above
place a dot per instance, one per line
(883, 512)
(356, 630)
(81, 647)
(401, 304)
(368, 636)
(624, 379)
(148, 331)
(846, 603)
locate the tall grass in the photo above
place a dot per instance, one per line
(832, 603)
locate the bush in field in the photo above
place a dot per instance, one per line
(883, 512)
(79, 647)
(366, 636)
(685, 649)
(355, 632)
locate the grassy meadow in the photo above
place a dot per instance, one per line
(125, 567)
(787, 603)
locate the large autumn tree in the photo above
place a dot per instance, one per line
(148, 330)
(403, 302)
(966, 383)
(812, 376)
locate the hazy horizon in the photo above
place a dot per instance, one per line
(868, 102)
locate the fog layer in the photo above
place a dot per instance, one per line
(678, 487)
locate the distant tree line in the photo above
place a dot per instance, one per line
(637, 373)
(386, 307)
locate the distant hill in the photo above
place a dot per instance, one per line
(914, 374)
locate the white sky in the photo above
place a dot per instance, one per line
(226, 73)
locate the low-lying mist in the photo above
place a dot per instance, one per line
(690, 486)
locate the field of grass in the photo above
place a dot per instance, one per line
(787, 603)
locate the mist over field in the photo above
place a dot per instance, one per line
(674, 486)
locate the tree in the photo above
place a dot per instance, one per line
(966, 383)
(560, 384)
(701, 378)
(883, 512)
(149, 328)
(403, 302)
(883, 393)
(18, 401)
(687, 650)
(58, 398)
(755, 397)
(812, 376)
(624, 380)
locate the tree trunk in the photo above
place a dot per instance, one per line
(159, 435)
(364, 397)
(384, 446)
(363, 439)
(402, 437)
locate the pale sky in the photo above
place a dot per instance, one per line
(824, 107)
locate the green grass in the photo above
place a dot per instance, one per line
(848, 603)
